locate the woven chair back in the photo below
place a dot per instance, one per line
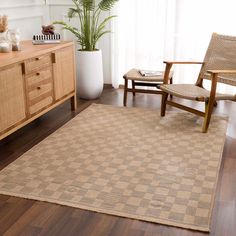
(220, 55)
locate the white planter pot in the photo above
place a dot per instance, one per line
(89, 74)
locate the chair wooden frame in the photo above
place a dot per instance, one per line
(135, 90)
(210, 101)
(141, 81)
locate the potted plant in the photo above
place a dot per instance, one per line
(90, 30)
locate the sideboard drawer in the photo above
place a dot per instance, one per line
(40, 90)
(40, 105)
(36, 63)
(39, 77)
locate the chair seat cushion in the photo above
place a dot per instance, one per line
(192, 92)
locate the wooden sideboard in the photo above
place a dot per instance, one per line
(34, 81)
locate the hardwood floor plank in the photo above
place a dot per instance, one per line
(13, 209)
(58, 217)
(21, 225)
(102, 225)
(29, 231)
(75, 223)
(225, 219)
(121, 227)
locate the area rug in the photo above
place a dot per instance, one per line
(128, 162)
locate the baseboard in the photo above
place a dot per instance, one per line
(121, 86)
(108, 86)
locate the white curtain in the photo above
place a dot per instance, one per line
(146, 32)
(143, 35)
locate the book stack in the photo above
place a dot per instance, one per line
(46, 39)
(150, 73)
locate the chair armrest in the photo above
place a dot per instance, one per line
(214, 76)
(221, 71)
(169, 65)
(183, 62)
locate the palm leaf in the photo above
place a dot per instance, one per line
(104, 22)
(106, 5)
(87, 4)
(98, 36)
(72, 12)
(73, 30)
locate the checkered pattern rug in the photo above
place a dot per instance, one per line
(128, 162)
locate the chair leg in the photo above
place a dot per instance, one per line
(133, 87)
(163, 103)
(125, 92)
(208, 111)
(171, 82)
(210, 104)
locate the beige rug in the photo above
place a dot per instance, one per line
(127, 162)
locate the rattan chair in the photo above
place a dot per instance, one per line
(219, 65)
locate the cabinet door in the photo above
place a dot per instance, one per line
(64, 72)
(12, 98)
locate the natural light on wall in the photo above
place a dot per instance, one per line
(146, 32)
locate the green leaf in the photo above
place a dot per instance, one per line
(87, 4)
(72, 12)
(102, 26)
(106, 5)
(98, 36)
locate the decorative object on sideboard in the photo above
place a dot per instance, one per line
(48, 29)
(90, 30)
(14, 37)
(48, 36)
(46, 39)
(5, 45)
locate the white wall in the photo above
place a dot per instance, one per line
(30, 15)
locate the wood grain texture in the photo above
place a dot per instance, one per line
(44, 101)
(38, 77)
(36, 63)
(63, 70)
(27, 217)
(12, 107)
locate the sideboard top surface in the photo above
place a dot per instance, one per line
(29, 50)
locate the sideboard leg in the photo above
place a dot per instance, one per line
(73, 102)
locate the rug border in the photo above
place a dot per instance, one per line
(110, 212)
(217, 180)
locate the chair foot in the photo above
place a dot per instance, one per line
(204, 129)
(163, 103)
(125, 93)
(208, 112)
(171, 82)
(133, 87)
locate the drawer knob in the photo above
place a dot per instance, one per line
(38, 88)
(37, 73)
(37, 58)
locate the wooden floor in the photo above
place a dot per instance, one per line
(27, 217)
